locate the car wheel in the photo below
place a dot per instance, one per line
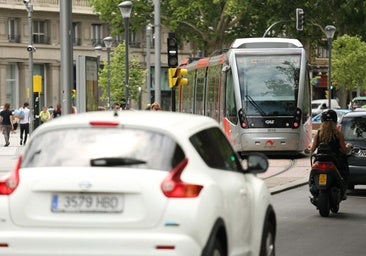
(217, 250)
(268, 240)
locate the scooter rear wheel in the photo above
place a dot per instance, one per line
(335, 208)
(323, 204)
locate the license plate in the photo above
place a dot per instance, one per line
(103, 203)
(322, 179)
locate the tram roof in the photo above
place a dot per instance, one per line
(266, 42)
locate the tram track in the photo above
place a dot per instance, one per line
(278, 167)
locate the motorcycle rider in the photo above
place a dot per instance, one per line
(329, 134)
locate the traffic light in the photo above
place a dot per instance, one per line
(300, 19)
(73, 94)
(172, 50)
(327, 94)
(175, 76)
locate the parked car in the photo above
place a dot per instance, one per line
(353, 127)
(318, 106)
(358, 102)
(135, 183)
(316, 120)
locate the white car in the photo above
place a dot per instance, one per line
(135, 183)
(320, 105)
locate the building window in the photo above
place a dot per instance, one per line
(11, 85)
(97, 34)
(13, 30)
(321, 52)
(76, 32)
(40, 32)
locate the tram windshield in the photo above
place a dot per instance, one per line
(269, 84)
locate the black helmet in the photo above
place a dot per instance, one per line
(329, 115)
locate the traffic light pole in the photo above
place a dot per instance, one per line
(274, 24)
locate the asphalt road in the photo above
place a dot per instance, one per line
(302, 231)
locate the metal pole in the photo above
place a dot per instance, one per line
(66, 55)
(30, 82)
(126, 65)
(273, 24)
(157, 51)
(329, 72)
(109, 76)
(148, 64)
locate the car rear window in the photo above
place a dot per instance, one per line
(77, 147)
(354, 128)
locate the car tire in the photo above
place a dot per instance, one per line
(268, 240)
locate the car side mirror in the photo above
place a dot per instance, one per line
(255, 162)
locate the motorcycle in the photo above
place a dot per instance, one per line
(326, 184)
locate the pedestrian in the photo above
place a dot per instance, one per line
(155, 106)
(24, 119)
(6, 116)
(44, 115)
(57, 111)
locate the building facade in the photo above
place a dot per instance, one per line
(87, 33)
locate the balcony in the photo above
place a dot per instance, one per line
(41, 39)
(14, 38)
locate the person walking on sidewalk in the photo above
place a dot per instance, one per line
(7, 123)
(24, 122)
(44, 115)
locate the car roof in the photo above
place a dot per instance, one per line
(359, 112)
(337, 110)
(359, 98)
(318, 101)
(168, 122)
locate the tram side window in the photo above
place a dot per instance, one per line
(212, 91)
(200, 89)
(230, 105)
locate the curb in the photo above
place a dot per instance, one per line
(288, 186)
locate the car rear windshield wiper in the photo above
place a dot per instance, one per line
(115, 161)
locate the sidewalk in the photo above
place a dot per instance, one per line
(9, 155)
(280, 182)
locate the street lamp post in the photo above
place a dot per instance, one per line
(125, 8)
(98, 51)
(329, 31)
(108, 44)
(148, 68)
(30, 49)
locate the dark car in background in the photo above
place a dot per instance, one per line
(353, 127)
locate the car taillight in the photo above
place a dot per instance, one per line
(10, 182)
(173, 186)
(104, 123)
(323, 166)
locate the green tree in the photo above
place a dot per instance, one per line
(108, 11)
(211, 25)
(349, 63)
(137, 77)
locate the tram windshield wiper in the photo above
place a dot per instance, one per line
(250, 99)
(115, 161)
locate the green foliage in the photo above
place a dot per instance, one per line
(137, 76)
(141, 14)
(349, 62)
(211, 25)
